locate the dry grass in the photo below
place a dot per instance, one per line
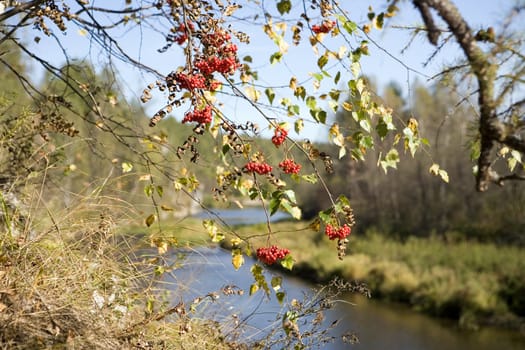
(72, 281)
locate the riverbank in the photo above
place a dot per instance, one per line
(475, 284)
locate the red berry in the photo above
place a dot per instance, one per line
(259, 168)
(270, 255)
(279, 136)
(202, 116)
(339, 233)
(325, 27)
(289, 166)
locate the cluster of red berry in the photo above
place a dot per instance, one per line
(325, 27)
(212, 64)
(289, 166)
(339, 233)
(190, 81)
(181, 35)
(259, 168)
(201, 116)
(279, 136)
(272, 254)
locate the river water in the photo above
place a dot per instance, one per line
(378, 325)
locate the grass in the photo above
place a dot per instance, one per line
(471, 282)
(76, 282)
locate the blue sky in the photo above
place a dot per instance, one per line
(143, 43)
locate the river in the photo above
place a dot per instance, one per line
(378, 325)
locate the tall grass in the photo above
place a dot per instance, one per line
(471, 282)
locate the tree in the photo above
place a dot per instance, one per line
(207, 72)
(205, 34)
(497, 70)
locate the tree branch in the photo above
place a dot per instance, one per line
(485, 72)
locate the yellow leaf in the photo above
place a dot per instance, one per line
(237, 259)
(82, 32)
(347, 106)
(127, 167)
(293, 83)
(252, 93)
(235, 241)
(253, 289)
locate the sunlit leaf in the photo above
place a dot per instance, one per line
(276, 282)
(148, 190)
(126, 167)
(287, 262)
(390, 161)
(254, 288)
(252, 93)
(237, 259)
(311, 178)
(298, 125)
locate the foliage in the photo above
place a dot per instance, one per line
(75, 135)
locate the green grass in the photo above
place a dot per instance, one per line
(474, 283)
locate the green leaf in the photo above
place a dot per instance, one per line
(391, 160)
(276, 282)
(270, 94)
(150, 220)
(148, 190)
(294, 110)
(298, 125)
(247, 59)
(293, 210)
(319, 115)
(260, 281)
(280, 296)
(276, 57)
(287, 262)
(337, 77)
(274, 205)
(311, 102)
(310, 178)
(349, 26)
(355, 68)
(326, 216)
(284, 6)
(381, 128)
(160, 190)
(322, 61)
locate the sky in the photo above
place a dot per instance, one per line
(383, 64)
